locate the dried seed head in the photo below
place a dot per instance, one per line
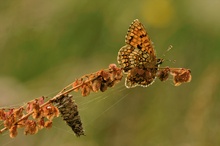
(41, 123)
(30, 127)
(113, 67)
(29, 107)
(41, 100)
(37, 112)
(37, 115)
(50, 111)
(85, 89)
(96, 84)
(116, 72)
(100, 80)
(13, 131)
(181, 76)
(18, 113)
(76, 83)
(105, 75)
(9, 121)
(163, 74)
(22, 122)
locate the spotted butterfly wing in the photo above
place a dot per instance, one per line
(138, 58)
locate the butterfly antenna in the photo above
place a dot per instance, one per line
(164, 54)
(168, 49)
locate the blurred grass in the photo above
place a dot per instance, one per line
(46, 45)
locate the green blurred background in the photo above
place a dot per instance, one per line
(45, 45)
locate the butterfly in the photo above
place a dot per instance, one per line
(138, 58)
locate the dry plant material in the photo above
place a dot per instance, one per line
(38, 114)
(163, 74)
(98, 81)
(32, 118)
(181, 75)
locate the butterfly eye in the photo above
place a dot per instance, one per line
(160, 61)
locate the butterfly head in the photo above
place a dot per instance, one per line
(160, 61)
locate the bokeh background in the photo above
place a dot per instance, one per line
(45, 45)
